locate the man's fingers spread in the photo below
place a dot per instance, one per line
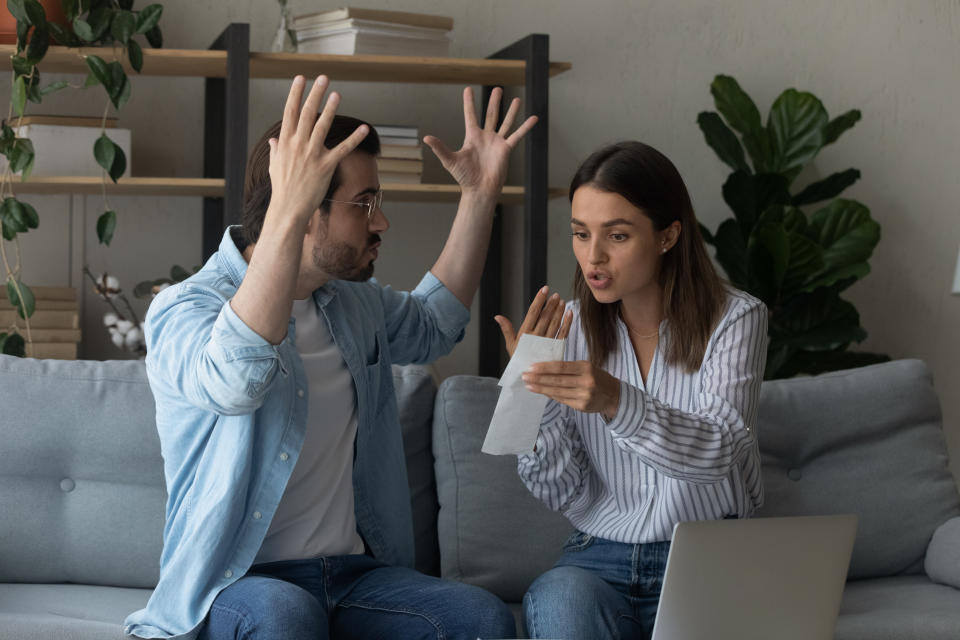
(322, 126)
(508, 119)
(521, 131)
(311, 107)
(291, 109)
(469, 111)
(344, 148)
(493, 109)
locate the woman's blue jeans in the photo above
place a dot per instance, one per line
(355, 596)
(598, 590)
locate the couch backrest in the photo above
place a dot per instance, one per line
(81, 478)
(867, 441)
(82, 491)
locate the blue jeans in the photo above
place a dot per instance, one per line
(598, 590)
(354, 596)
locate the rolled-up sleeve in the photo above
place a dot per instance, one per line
(424, 324)
(199, 349)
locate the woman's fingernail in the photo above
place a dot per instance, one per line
(544, 289)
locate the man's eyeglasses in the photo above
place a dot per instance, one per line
(371, 205)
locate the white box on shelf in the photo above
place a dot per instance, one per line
(68, 150)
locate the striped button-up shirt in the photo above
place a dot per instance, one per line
(682, 446)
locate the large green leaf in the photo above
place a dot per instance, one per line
(12, 344)
(120, 88)
(19, 95)
(35, 13)
(820, 321)
(106, 225)
(99, 20)
(24, 301)
(749, 195)
(795, 125)
(100, 71)
(829, 187)
(148, 18)
(18, 10)
(732, 252)
(122, 26)
(742, 114)
(840, 124)
(768, 257)
(39, 43)
(155, 38)
(722, 140)
(848, 235)
(83, 30)
(135, 53)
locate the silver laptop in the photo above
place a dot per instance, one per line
(756, 579)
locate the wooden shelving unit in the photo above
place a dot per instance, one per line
(228, 67)
(214, 188)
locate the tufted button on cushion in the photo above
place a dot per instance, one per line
(67, 485)
(794, 474)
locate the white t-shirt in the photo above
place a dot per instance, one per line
(316, 517)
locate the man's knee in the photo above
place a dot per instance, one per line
(257, 607)
(491, 616)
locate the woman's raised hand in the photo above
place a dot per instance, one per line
(545, 317)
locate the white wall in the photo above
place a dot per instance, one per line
(640, 70)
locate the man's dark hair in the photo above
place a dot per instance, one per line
(257, 189)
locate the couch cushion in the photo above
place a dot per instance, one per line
(901, 608)
(82, 491)
(867, 441)
(416, 391)
(493, 532)
(66, 611)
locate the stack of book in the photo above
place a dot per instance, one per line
(350, 31)
(64, 144)
(54, 325)
(401, 156)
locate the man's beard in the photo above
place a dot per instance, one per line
(340, 261)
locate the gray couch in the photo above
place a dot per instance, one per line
(82, 493)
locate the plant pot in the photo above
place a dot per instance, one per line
(8, 24)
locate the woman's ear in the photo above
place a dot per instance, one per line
(670, 236)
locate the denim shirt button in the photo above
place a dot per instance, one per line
(228, 574)
(300, 393)
(284, 456)
(257, 515)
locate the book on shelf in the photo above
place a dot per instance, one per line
(40, 320)
(52, 350)
(406, 142)
(398, 177)
(401, 151)
(368, 37)
(395, 17)
(396, 131)
(399, 165)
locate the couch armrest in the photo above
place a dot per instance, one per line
(942, 563)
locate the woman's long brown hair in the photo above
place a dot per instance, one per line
(693, 293)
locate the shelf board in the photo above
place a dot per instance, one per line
(46, 185)
(213, 64)
(214, 187)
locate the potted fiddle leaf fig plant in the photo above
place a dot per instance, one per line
(796, 249)
(85, 23)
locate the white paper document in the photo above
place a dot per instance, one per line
(516, 420)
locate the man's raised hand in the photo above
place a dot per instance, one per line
(301, 166)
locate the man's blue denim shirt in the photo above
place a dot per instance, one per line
(231, 411)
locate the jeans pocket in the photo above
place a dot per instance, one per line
(578, 541)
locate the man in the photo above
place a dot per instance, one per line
(288, 514)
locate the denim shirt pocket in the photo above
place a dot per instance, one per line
(578, 541)
(373, 367)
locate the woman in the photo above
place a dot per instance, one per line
(652, 411)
